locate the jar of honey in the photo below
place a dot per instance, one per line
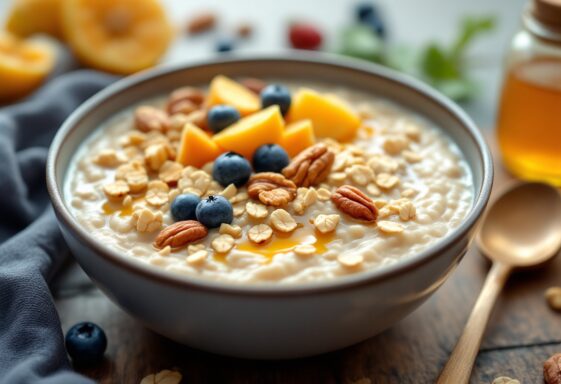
(529, 120)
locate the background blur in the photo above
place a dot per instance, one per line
(411, 22)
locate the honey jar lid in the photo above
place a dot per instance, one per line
(547, 12)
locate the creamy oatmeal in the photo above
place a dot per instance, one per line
(368, 184)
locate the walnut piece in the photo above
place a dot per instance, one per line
(271, 189)
(180, 234)
(282, 221)
(355, 203)
(552, 369)
(260, 234)
(183, 96)
(148, 118)
(311, 166)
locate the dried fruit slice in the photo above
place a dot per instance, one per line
(24, 64)
(245, 136)
(330, 116)
(224, 90)
(196, 147)
(28, 17)
(117, 36)
(297, 137)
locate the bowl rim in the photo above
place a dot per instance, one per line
(366, 277)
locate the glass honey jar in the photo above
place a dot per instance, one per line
(529, 120)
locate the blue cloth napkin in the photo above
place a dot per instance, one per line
(31, 246)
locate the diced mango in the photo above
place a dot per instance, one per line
(196, 147)
(331, 116)
(243, 137)
(224, 90)
(297, 137)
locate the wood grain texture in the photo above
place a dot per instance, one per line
(522, 333)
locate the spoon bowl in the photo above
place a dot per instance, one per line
(523, 226)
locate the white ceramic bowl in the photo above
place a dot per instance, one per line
(270, 321)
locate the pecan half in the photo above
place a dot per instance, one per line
(311, 166)
(355, 203)
(180, 234)
(271, 189)
(148, 118)
(185, 100)
(552, 369)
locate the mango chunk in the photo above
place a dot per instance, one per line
(330, 116)
(297, 137)
(224, 90)
(243, 137)
(196, 147)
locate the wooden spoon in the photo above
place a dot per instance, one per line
(522, 229)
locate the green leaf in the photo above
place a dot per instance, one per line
(471, 27)
(458, 89)
(402, 58)
(436, 65)
(361, 42)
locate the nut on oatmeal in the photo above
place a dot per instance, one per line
(390, 227)
(282, 221)
(170, 172)
(233, 230)
(350, 260)
(260, 233)
(311, 166)
(147, 221)
(552, 369)
(148, 118)
(134, 174)
(305, 250)
(355, 203)
(116, 190)
(180, 234)
(223, 243)
(271, 189)
(157, 193)
(256, 210)
(326, 223)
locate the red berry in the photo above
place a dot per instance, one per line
(304, 36)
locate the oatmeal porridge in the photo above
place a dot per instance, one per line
(252, 182)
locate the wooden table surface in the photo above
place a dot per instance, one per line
(522, 333)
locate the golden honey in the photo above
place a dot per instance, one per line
(529, 124)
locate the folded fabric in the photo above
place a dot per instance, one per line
(31, 246)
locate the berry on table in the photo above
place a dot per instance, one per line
(183, 207)
(270, 158)
(221, 116)
(231, 168)
(214, 211)
(304, 36)
(86, 343)
(276, 94)
(224, 45)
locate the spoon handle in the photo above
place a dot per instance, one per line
(458, 368)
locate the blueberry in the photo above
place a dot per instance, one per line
(270, 158)
(221, 116)
(86, 343)
(364, 11)
(369, 15)
(183, 207)
(276, 94)
(224, 45)
(214, 210)
(231, 168)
